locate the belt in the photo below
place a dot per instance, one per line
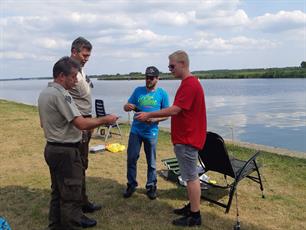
(74, 145)
(86, 116)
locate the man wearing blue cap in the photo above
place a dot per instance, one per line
(147, 98)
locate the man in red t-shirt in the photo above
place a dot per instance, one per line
(188, 133)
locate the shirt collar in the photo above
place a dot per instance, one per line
(56, 85)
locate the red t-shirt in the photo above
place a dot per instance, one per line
(189, 126)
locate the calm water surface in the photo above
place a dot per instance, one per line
(262, 111)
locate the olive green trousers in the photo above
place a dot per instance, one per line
(66, 172)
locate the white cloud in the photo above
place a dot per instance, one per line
(281, 21)
(82, 18)
(12, 55)
(51, 43)
(251, 43)
(219, 44)
(224, 19)
(102, 20)
(140, 36)
(213, 5)
(173, 18)
(24, 55)
(25, 23)
(127, 54)
(206, 28)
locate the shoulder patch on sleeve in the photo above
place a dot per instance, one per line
(68, 99)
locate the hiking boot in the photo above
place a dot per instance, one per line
(185, 211)
(87, 222)
(91, 207)
(151, 192)
(187, 221)
(129, 191)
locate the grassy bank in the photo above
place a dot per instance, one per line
(25, 184)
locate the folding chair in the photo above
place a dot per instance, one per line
(173, 170)
(100, 112)
(214, 157)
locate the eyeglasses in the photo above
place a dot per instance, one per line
(151, 78)
(171, 67)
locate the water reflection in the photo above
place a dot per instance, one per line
(262, 111)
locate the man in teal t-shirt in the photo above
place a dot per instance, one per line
(147, 98)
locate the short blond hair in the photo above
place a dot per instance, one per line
(180, 56)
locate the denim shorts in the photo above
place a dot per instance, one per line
(187, 157)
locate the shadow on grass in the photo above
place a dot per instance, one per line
(27, 208)
(214, 193)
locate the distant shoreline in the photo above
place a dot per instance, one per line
(288, 72)
(259, 73)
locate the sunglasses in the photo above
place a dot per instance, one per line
(171, 67)
(150, 78)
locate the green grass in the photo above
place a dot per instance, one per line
(25, 184)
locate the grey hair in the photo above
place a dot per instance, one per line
(80, 43)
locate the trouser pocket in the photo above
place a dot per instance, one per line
(72, 189)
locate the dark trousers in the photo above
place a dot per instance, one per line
(65, 167)
(84, 149)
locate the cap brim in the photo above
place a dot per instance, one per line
(151, 75)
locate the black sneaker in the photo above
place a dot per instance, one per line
(151, 192)
(185, 211)
(187, 221)
(129, 191)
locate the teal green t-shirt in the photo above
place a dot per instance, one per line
(148, 101)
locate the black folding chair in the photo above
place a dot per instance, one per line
(214, 157)
(100, 112)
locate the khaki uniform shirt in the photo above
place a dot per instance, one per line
(81, 94)
(56, 111)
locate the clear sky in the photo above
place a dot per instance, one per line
(128, 35)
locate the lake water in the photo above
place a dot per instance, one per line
(263, 111)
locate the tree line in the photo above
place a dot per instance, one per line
(286, 72)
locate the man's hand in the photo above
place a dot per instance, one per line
(142, 116)
(111, 118)
(129, 107)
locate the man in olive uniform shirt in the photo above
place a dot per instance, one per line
(62, 124)
(81, 94)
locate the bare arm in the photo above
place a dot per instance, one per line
(90, 123)
(170, 111)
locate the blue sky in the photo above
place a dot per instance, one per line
(128, 35)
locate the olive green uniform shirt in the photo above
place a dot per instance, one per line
(56, 111)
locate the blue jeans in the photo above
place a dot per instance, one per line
(133, 150)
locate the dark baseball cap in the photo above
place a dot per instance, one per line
(152, 71)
